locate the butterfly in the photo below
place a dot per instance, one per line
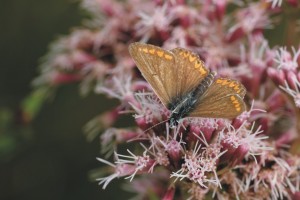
(185, 86)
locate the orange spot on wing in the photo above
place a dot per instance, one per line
(219, 81)
(168, 57)
(160, 53)
(192, 58)
(232, 84)
(145, 50)
(197, 64)
(202, 71)
(235, 102)
(152, 51)
(225, 82)
(185, 54)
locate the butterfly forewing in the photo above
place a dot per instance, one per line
(190, 70)
(170, 73)
(157, 67)
(223, 99)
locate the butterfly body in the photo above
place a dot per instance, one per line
(183, 105)
(185, 86)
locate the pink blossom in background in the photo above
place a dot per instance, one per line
(250, 157)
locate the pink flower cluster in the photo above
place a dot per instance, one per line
(250, 157)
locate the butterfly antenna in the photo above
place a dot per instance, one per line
(155, 125)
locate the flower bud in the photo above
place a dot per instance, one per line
(169, 194)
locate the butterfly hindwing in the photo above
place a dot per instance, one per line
(170, 73)
(223, 86)
(223, 99)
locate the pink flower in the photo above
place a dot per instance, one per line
(119, 171)
(295, 93)
(251, 19)
(285, 60)
(154, 23)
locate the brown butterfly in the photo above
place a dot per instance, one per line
(185, 86)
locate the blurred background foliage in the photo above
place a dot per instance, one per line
(50, 157)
